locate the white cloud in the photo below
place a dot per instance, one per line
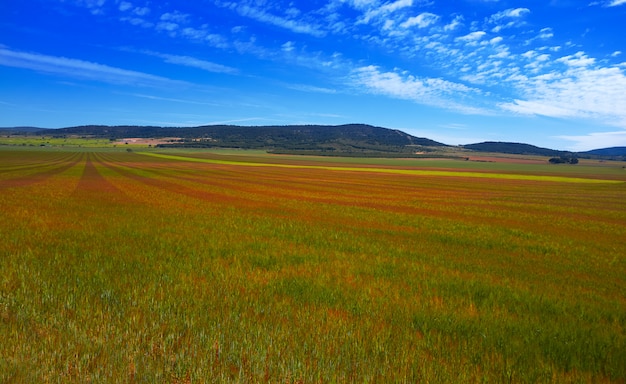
(422, 20)
(195, 63)
(167, 26)
(502, 53)
(175, 17)
(545, 33)
(125, 6)
(292, 12)
(288, 46)
(216, 40)
(384, 10)
(95, 6)
(513, 16)
(81, 69)
(428, 91)
(141, 11)
(169, 99)
(137, 21)
(471, 37)
(359, 4)
(296, 25)
(91, 3)
(397, 5)
(408, 87)
(311, 88)
(615, 3)
(596, 140)
(525, 107)
(193, 33)
(577, 60)
(454, 24)
(509, 13)
(581, 91)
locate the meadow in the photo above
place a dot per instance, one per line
(232, 266)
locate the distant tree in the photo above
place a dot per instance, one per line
(565, 159)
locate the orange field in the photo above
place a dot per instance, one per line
(244, 267)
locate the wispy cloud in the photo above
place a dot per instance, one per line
(422, 20)
(172, 21)
(428, 91)
(508, 18)
(126, 6)
(384, 10)
(595, 140)
(175, 17)
(173, 100)
(233, 121)
(583, 89)
(75, 68)
(193, 62)
(95, 6)
(509, 13)
(454, 24)
(471, 37)
(135, 15)
(311, 88)
(615, 3)
(294, 24)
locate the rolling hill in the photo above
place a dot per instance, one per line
(350, 139)
(513, 148)
(612, 151)
(345, 140)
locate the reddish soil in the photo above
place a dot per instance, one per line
(147, 141)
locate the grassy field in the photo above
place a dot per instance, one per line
(50, 141)
(232, 266)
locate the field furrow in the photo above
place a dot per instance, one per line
(38, 173)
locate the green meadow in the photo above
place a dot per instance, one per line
(243, 267)
(51, 141)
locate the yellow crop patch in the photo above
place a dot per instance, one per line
(416, 172)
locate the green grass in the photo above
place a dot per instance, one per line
(121, 267)
(50, 141)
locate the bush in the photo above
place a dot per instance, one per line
(564, 160)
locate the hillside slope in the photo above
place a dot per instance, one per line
(513, 148)
(612, 151)
(359, 139)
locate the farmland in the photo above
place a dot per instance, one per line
(235, 266)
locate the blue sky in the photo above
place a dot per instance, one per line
(550, 73)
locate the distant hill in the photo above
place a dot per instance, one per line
(357, 139)
(612, 151)
(20, 130)
(348, 139)
(513, 148)
(272, 133)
